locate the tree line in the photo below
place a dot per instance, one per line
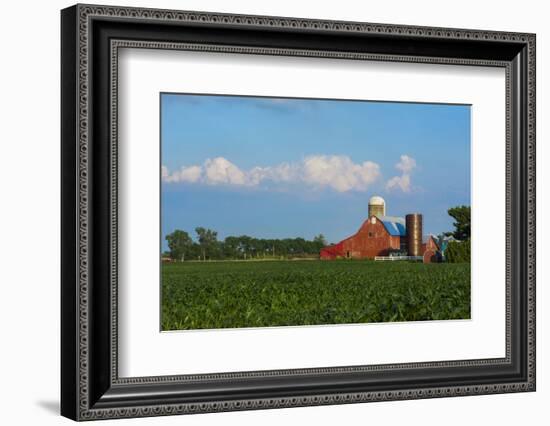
(206, 246)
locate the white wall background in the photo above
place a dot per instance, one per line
(29, 212)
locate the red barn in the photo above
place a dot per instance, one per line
(429, 243)
(430, 249)
(376, 237)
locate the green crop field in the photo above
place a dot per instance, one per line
(198, 295)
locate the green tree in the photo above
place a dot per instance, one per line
(461, 215)
(321, 240)
(458, 252)
(231, 248)
(208, 241)
(179, 243)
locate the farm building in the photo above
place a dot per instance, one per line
(382, 235)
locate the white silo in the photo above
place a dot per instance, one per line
(377, 206)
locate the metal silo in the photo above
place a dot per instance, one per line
(413, 223)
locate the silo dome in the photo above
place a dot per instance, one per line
(377, 206)
(376, 200)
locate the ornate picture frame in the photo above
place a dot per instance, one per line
(91, 37)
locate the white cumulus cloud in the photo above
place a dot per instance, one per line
(283, 172)
(222, 171)
(190, 174)
(405, 165)
(399, 182)
(337, 172)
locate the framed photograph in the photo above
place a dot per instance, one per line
(263, 212)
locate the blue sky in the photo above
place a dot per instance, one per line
(277, 168)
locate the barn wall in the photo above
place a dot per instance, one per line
(332, 252)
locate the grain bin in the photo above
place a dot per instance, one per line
(413, 223)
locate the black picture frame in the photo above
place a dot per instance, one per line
(90, 386)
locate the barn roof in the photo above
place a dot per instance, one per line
(394, 225)
(425, 238)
